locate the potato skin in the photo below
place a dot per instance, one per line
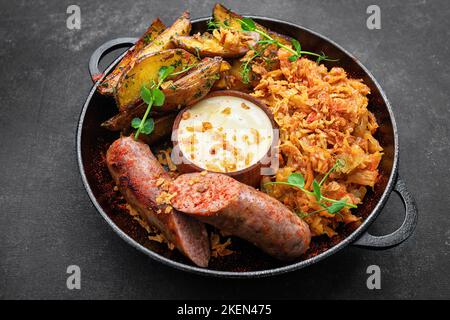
(225, 16)
(156, 38)
(163, 128)
(146, 70)
(193, 86)
(181, 26)
(110, 82)
(232, 79)
(122, 120)
(182, 92)
(208, 47)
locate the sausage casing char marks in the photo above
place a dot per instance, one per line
(240, 210)
(142, 181)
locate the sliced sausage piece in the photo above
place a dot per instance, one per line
(243, 211)
(144, 184)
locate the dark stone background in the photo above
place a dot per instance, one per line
(47, 221)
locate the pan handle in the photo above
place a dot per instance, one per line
(104, 49)
(401, 234)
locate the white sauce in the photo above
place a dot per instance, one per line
(224, 134)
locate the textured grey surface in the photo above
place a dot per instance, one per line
(47, 221)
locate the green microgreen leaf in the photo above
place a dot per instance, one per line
(297, 46)
(324, 57)
(248, 24)
(266, 41)
(158, 97)
(245, 75)
(297, 180)
(321, 58)
(146, 95)
(148, 126)
(246, 67)
(245, 71)
(151, 96)
(339, 164)
(136, 122)
(212, 25)
(164, 72)
(337, 206)
(316, 190)
(293, 58)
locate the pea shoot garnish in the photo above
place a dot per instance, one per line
(249, 25)
(211, 25)
(296, 180)
(152, 96)
(246, 67)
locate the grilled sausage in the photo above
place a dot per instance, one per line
(143, 181)
(240, 210)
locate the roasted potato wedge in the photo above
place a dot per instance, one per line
(110, 82)
(225, 66)
(192, 87)
(163, 128)
(155, 39)
(145, 70)
(207, 45)
(231, 79)
(226, 17)
(178, 93)
(181, 26)
(123, 119)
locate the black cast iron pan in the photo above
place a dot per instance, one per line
(248, 261)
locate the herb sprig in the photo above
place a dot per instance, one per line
(212, 24)
(152, 96)
(187, 68)
(297, 180)
(246, 67)
(247, 24)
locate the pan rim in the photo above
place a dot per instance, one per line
(259, 273)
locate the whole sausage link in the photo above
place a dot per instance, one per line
(143, 183)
